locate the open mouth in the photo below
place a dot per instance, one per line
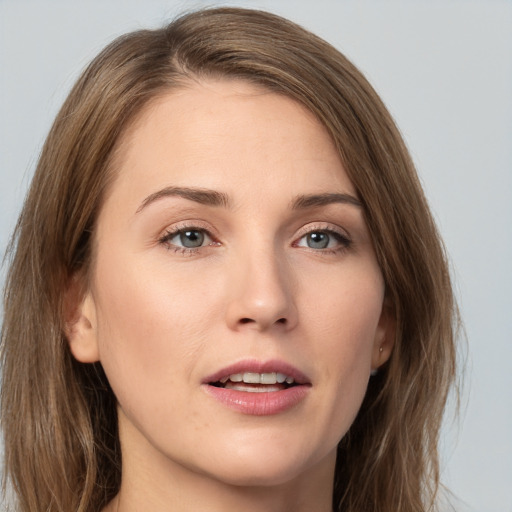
(258, 388)
(252, 382)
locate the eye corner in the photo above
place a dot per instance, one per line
(187, 238)
(323, 239)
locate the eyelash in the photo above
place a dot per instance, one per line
(344, 242)
(342, 239)
(165, 240)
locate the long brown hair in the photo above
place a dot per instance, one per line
(59, 419)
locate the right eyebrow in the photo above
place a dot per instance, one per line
(198, 195)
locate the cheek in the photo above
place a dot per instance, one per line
(141, 302)
(344, 321)
(345, 311)
(150, 328)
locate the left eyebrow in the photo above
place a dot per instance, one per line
(315, 200)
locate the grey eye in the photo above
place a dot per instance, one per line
(317, 240)
(324, 239)
(187, 239)
(191, 238)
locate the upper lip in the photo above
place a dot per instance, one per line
(254, 366)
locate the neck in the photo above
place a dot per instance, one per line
(219, 498)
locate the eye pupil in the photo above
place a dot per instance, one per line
(192, 238)
(318, 240)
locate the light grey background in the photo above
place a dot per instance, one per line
(444, 69)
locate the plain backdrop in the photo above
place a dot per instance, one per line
(444, 68)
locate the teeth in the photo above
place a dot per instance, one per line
(281, 377)
(252, 378)
(241, 386)
(259, 378)
(268, 378)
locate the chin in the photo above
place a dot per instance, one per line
(257, 476)
(265, 468)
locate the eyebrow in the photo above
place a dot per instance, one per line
(199, 195)
(316, 200)
(214, 198)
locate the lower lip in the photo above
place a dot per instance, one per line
(259, 404)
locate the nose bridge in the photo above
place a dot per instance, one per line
(261, 288)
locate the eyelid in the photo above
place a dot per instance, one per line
(343, 239)
(323, 226)
(188, 225)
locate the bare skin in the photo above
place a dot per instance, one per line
(232, 235)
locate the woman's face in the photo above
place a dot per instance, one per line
(232, 253)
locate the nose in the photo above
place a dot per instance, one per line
(261, 294)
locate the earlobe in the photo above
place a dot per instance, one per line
(384, 336)
(80, 323)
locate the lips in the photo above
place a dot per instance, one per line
(258, 378)
(260, 368)
(258, 388)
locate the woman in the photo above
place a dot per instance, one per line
(226, 287)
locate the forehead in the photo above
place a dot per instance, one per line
(226, 133)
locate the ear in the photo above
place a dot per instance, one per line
(384, 335)
(80, 321)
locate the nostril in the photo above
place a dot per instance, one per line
(250, 320)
